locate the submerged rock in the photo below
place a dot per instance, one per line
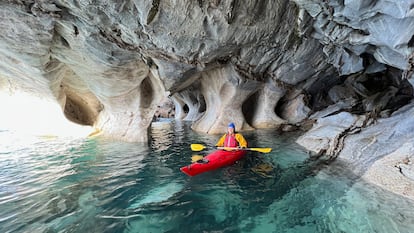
(157, 195)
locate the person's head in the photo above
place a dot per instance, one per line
(231, 128)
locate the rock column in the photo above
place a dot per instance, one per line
(224, 90)
(190, 100)
(265, 116)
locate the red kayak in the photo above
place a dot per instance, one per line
(217, 159)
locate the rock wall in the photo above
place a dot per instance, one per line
(371, 43)
(352, 30)
(260, 63)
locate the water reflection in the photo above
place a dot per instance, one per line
(162, 135)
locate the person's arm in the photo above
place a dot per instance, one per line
(241, 140)
(221, 140)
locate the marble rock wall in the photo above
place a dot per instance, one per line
(261, 63)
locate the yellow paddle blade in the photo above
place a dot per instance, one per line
(263, 150)
(197, 147)
(196, 158)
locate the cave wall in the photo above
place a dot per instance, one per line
(258, 63)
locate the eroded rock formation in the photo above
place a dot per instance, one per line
(367, 123)
(109, 64)
(189, 104)
(260, 64)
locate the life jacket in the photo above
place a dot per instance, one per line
(230, 141)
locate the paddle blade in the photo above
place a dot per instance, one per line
(196, 158)
(197, 147)
(262, 150)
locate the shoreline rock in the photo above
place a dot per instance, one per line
(382, 153)
(388, 174)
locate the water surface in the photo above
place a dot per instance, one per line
(96, 185)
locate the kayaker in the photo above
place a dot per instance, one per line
(231, 138)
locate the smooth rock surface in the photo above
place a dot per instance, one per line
(326, 132)
(381, 153)
(109, 64)
(394, 171)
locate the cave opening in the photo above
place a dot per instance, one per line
(249, 107)
(186, 109)
(278, 109)
(318, 92)
(76, 111)
(147, 93)
(404, 93)
(165, 109)
(203, 106)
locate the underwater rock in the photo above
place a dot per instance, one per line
(157, 195)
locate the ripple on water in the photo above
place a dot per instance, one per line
(98, 185)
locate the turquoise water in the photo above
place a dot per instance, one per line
(98, 185)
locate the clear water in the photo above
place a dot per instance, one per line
(97, 185)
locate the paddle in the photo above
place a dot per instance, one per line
(196, 158)
(200, 147)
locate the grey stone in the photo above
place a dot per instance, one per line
(109, 64)
(407, 170)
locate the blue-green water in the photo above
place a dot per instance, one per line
(97, 185)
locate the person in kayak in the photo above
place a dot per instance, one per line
(231, 138)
